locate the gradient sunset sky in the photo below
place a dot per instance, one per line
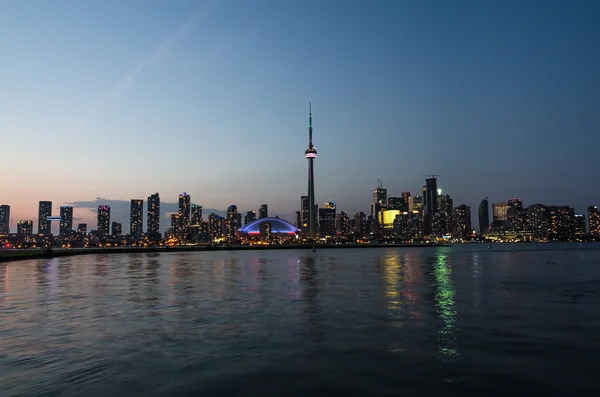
(105, 101)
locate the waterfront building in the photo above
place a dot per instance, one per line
(327, 220)
(484, 216)
(66, 221)
(462, 222)
(184, 210)
(82, 228)
(593, 221)
(342, 224)
(196, 215)
(4, 219)
(311, 154)
(499, 211)
(515, 215)
(233, 221)
(579, 222)
(103, 223)
(360, 224)
(25, 228)
(44, 211)
(215, 226)
(250, 217)
(263, 211)
(153, 217)
(561, 223)
(136, 219)
(537, 222)
(117, 229)
(430, 205)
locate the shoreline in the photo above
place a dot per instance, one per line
(7, 255)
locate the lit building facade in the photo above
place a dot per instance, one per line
(537, 221)
(250, 217)
(82, 228)
(360, 224)
(561, 223)
(233, 221)
(327, 220)
(184, 209)
(117, 229)
(263, 211)
(462, 222)
(153, 217)
(215, 226)
(44, 211)
(515, 215)
(430, 205)
(593, 221)
(579, 221)
(196, 215)
(25, 228)
(499, 211)
(4, 219)
(484, 216)
(342, 224)
(136, 219)
(66, 221)
(103, 220)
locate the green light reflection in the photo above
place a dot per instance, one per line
(444, 296)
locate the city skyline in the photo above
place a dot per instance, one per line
(498, 113)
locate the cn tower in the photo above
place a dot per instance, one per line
(311, 153)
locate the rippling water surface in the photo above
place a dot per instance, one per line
(463, 320)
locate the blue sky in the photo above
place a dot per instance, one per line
(120, 99)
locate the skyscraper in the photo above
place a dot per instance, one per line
(136, 218)
(250, 217)
(263, 211)
(196, 215)
(593, 221)
(66, 221)
(311, 154)
(515, 214)
(4, 219)
(327, 220)
(484, 216)
(45, 210)
(430, 204)
(537, 222)
(579, 225)
(462, 222)
(184, 209)
(499, 211)
(25, 228)
(232, 221)
(561, 223)
(153, 218)
(103, 220)
(117, 229)
(82, 228)
(360, 224)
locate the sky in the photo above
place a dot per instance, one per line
(105, 101)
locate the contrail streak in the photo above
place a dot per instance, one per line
(161, 51)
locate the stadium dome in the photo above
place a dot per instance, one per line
(278, 226)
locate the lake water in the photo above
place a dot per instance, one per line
(514, 320)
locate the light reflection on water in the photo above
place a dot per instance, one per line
(465, 320)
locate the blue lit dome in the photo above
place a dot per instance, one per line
(278, 226)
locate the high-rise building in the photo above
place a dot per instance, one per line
(397, 203)
(593, 221)
(342, 224)
(196, 215)
(537, 221)
(176, 229)
(66, 221)
(44, 211)
(82, 228)
(215, 226)
(25, 228)
(233, 221)
(311, 154)
(4, 219)
(136, 219)
(184, 209)
(153, 218)
(462, 222)
(103, 220)
(499, 211)
(360, 224)
(298, 220)
(415, 203)
(117, 229)
(579, 225)
(250, 217)
(327, 220)
(515, 214)
(430, 205)
(263, 211)
(561, 223)
(484, 216)
(406, 198)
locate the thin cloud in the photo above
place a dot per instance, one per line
(161, 51)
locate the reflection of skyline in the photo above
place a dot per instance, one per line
(400, 278)
(308, 293)
(444, 296)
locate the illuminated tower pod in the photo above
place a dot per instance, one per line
(311, 153)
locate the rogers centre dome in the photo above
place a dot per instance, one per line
(278, 226)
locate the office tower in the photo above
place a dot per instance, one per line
(515, 214)
(117, 229)
(537, 223)
(4, 219)
(430, 205)
(311, 154)
(250, 217)
(462, 222)
(327, 220)
(153, 218)
(25, 228)
(484, 216)
(82, 228)
(196, 215)
(184, 209)
(360, 224)
(579, 225)
(380, 194)
(103, 220)
(233, 221)
(593, 221)
(136, 219)
(499, 211)
(415, 203)
(44, 211)
(561, 223)
(66, 221)
(263, 211)
(215, 226)
(176, 226)
(342, 224)
(397, 203)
